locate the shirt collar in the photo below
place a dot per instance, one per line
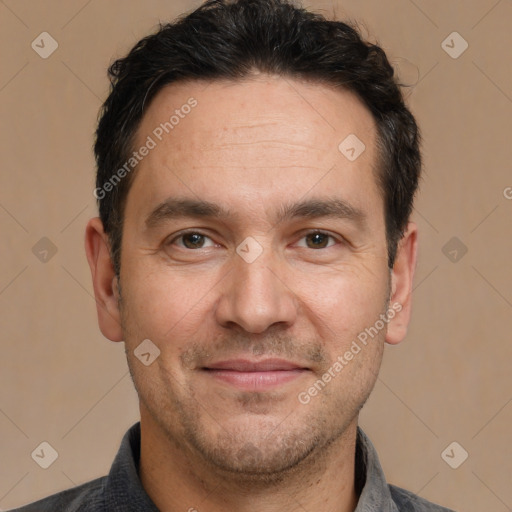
(369, 477)
(123, 488)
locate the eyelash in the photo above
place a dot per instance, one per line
(195, 232)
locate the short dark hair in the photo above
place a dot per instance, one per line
(230, 39)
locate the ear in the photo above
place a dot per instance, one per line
(401, 285)
(104, 280)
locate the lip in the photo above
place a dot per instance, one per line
(245, 365)
(255, 375)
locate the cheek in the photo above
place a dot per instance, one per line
(340, 306)
(343, 296)
(164, 304)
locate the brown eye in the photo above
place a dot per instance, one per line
(193, 240)
(317, 240)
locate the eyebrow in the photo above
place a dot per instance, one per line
(175, 208)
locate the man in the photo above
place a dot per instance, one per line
(256, 172)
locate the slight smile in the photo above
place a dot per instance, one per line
(255, 375)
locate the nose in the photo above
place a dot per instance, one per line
(255, 296)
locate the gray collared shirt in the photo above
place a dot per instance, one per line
(121, 490)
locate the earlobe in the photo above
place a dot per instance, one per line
(104, 280)
(402, 276)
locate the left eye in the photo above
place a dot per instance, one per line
(317, 240)
(193, 240)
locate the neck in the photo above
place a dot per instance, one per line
(177, 478)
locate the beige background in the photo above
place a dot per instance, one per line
(62, 382)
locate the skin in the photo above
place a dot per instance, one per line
(252, 147)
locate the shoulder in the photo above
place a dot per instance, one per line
(88, 496)
(407, 501)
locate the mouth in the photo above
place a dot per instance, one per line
(255, 375)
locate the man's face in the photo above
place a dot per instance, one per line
(298, 291)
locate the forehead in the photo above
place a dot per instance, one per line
(264, 136)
